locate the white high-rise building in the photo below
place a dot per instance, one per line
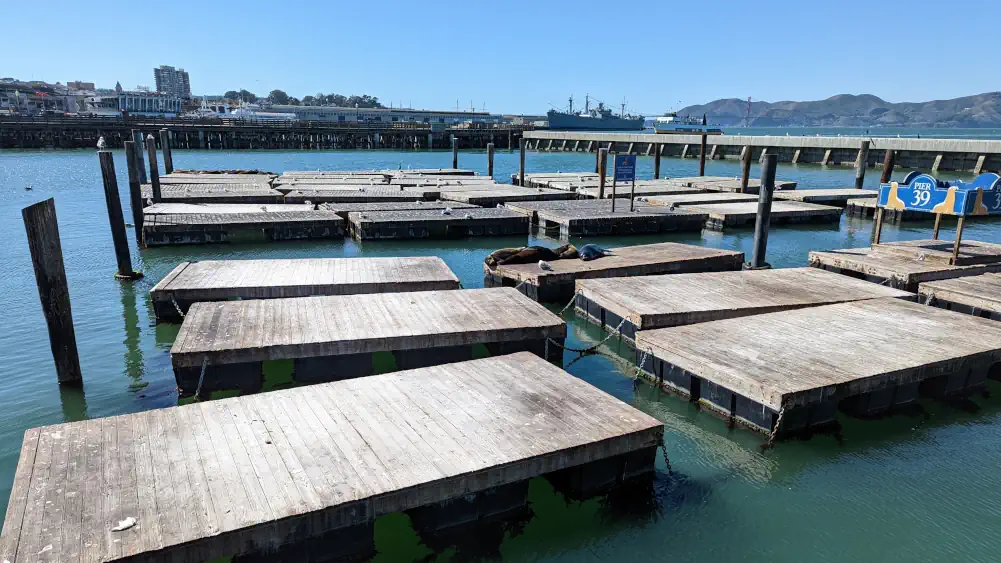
(173, 81)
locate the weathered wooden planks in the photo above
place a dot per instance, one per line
(645, 219)
(833, 196)
(249, 474)
(209, 178)
(682, 200)
(864, 356)
(975, 295)
(214, 193)
(431, 223)
(502, 194)
(649, 302)
(343, 209)
(643, 188)
(722, 215)
(220, 280)
(222, 208)
(203, 228)
(368, 195)
(639, 260)
(334, 336)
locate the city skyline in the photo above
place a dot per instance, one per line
(770, 55)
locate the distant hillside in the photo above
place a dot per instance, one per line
(846, 110)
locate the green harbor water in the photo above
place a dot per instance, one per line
(923, 486)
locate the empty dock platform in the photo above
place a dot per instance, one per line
(627, 305)
(572, 221)
(213, 193)
(308, 470)
(639, 260)
(433, 223)
(335, 337)
(973, 295)
(864, 357)
(343, 209)
(222, 280)
(838, 197)
(204, 228)
(729, 215)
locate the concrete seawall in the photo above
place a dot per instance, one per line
(965, 155)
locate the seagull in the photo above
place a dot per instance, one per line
(446, 211)
(545, 265)
(101, 144)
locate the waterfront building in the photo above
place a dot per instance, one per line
(172, 81)
(385, 115)
(80, 85)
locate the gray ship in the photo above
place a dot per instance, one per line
(598, 119)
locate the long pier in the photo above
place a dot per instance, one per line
(312, 468)
(966, 155)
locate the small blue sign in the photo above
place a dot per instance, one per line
(625, 167)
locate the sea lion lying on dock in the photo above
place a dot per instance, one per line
(592, 251)
(528, 254)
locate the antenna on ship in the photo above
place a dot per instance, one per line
(587, 103)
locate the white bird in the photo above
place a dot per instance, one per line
(124, 524)
(468, 216)
(101, 144)
(264, 208)
(545, 265)
(446, 211)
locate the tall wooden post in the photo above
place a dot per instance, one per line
(115, 217)
(745, 169)
(602, 169)
(137, 136)
(863, 157)
(959, 241)
(455, 152)
(490, 160)
(764, 212)
(135, 190)
(168, 156)
(657, 148)
(50, 274)
(702, 156)
(521, 160)
(889, 159)
(938, 224)
(154, 169)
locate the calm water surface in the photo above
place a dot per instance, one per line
(923, 487)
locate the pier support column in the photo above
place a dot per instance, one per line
(490, 160)
(712, 152)
(937, 163)
(764, 212)
(589, 144)
(630, 149)
(115, 218)
(980, 164)
(827, 158)
(889, 159)
(201, 139)
(521, 161)
(576, 145)
(168, 158)
(684, 151)
(795, 156)
(702, 155)
(132, 154)
(53, 291)
(563, 145)
(764, 152)
(860, 162)
(657, 147)
(745, 168)
(455, 152)
(137, 137)
(154, 168)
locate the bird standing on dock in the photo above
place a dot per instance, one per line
(543, 265)
(101, 144)
(446, 211)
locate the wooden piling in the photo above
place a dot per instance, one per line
(764, 212)
(938, 224)
(137, 137)
(115, 217)
(889, 159)
(702, 155)
(490, 160)
(602, 169)
(168, 157)
(47, 258)
(959, 240)
(863, 157)
(154, 170)
(745, 172)
(455, 153)
(521, 159)
(657, 149)
(132, 156)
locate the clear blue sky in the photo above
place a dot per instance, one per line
(514, 56)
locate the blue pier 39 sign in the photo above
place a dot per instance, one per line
(922, 192)
(625, 167)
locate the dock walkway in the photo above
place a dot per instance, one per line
(203, 228)
(974, 295)
(251, 475)
(724, 215)
(343, 209)
(863, 356)
(833, 196)
(649, 302)
(433, 223)
(213, 193)
(502, 194)
(572, 221)
(334, 337)
(222, 280)
(639, 260)
(222, 208)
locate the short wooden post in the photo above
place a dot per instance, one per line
(118, 236)
(154, 170)
(490, 160)
(137, 136)
(597, 158)
(657, 149)
(877, 228)
(889, 159)
(702, 156)
(764, 212)
(602, 168)
(863, 157)
(938, 223)
(521, 160)
(50, 275)
(959, 241)
(745, 169)
(455, 153)
(168, 157)
(132, 154)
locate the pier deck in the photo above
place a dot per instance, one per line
(648, 188)
(730, 184)
(639, 260)
(649, 302)
(222, 208)
(213, 193)
(431, 223)
(343, 209)
(204, 228)
(221, 280)
(974, 295)
(682, 200)
(834, 196)
(501, 194)
(897, 268)
(645, 219)
(532, 208)
(723, 215)
(334, 337)
(369, 195)
(189, 178)
(249, 475)
(866, 209)
(863, 356)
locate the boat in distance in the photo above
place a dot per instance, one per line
(597, 119)
(671, 124)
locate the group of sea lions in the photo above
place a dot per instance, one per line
(529, 254)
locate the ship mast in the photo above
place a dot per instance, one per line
(571, 104)
(587, 103)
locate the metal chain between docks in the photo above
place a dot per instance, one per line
(667, 460)
(201, 378)
(930, 298)
(176, 306)
(589, 348)
(568, 305)
(775, 430)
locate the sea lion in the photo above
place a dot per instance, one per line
(497, 255)
(591, 251)
(567, 251)
(530, 254)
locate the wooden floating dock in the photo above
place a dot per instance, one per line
(723, 215)
(728, 184)
(343, 209)
(682, 200)
(644, 189)
(213, 193)
(204, 228)
(973, 295)
(503, 194)
(835, 196)
(335, 337)
(864, 357)
(189, 178)
(907, 266)
(866, 209)
(646, 219)
(261, 474)
(531, 208)
(640, 260)
(357, 196)
(551, 179)
(222, 280)
(649, 302)
(431, 223)
(222, 208)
